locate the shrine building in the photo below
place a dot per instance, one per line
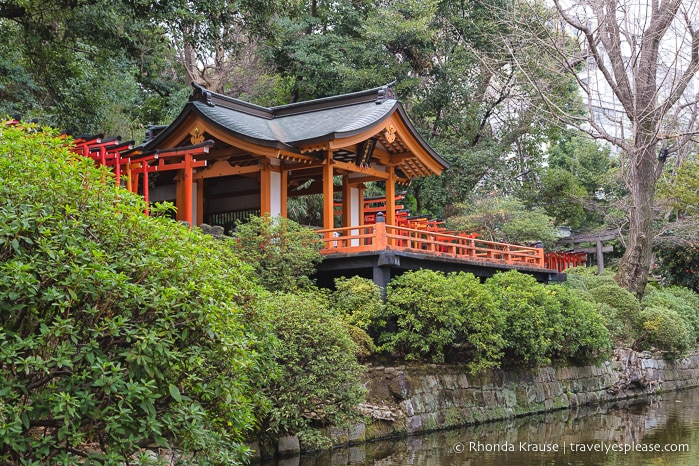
(222, 160)
(257, 157)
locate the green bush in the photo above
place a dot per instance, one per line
(665, 330)
(586, 278)
(282, 252)
(628, 309)
(532, 316)
(621, 330)
(318, 381)
(620, 309)
(434, 313)
(116, 330)
(359, 302)
(581, 337)
(481, 332)
(364, 343)
(683, 301)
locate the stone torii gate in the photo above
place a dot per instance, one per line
(598, 250)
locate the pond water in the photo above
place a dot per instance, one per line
(661, 430)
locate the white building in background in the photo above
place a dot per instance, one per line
(607, 114)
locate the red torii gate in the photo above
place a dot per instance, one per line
(113, 153)
(561, 260)
(110, 155)
(187, 163)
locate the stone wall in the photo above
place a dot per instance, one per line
(405, 400)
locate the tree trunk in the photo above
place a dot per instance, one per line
(635, 264)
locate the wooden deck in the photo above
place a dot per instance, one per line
(382, 237)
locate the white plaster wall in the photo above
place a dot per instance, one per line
(275, 194)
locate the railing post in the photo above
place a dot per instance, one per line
(380, 233)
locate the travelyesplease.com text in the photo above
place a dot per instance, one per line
(564, 447)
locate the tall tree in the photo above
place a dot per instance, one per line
(454, 67)
(217, 41)
(322, 48)
(641, 61)
(478, 107)
(85, 65)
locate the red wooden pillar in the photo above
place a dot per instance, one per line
(187, 189)
(391, 197)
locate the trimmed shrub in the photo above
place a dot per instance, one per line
(627, 313)
(619, 328)
(427, 318)
(581, 337)
(481, 332)
(434, 313)
(683, 301)
(586, 278)
(665, 330)
(532, 316)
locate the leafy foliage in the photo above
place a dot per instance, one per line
(511, 315)
(358, 301)
(665, 330)
(581, 337)
(317, 384)
(532, 315)
(426, 315)
(504, 219)
(88, 67)
(561, 197)
(117, 330)
(282, 252)
(364, 343)
(433, 312)
(586, 278)
(624, 303)
(587, 160)
(621, 310)
(679, 265)
(683, 301)
(548, 323)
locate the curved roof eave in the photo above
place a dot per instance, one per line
(276, 128)
(342, 134)
(419, 139)
(192, 107)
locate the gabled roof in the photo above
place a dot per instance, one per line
(289, 127)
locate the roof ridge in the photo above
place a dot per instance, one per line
(210, 98)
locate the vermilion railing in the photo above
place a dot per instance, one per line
(379, 236)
